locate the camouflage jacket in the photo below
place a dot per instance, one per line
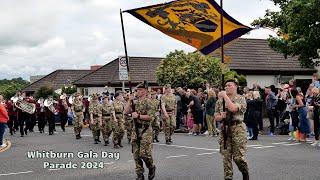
(95, 109)
(169, 101)
(77, 106)
(107, 110)
(144, 107)
(239, 101)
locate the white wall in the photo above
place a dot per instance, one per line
(302, 76)
(262, 80)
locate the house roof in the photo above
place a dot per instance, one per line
(56, 79)
(247, 56)
(141, 69)
(254, 56)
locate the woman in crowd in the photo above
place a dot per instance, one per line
(210, 107)
(316, 104)
(255, 114)
(300, 105)
(3, 121)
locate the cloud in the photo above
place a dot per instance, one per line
(41, 36)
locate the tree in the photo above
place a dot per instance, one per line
(68, 89)
(191, 69)
(298, 28)
(45, 92)
(8, 88)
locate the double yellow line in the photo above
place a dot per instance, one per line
(6, 148)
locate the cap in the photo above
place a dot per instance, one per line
(233, 80)
(77, 94)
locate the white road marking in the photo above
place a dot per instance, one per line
(54, 169)
(26, 172)
(263, 147)
(254, 145)
(130, 161)
(206, 154)
(281, 143)
(109, 163)
(187, 147)
(291, 144)
(175, 156)
(85, 135)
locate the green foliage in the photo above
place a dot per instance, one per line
(191, 69)
(44, 92)
(234, 75)
(69, 89)
(298, 28)
(8, 88)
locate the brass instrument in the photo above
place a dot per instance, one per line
(23, 105)
(49, 104)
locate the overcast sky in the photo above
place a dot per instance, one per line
(40, 36)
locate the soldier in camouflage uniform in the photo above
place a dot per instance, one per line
(236, 137)
(118, 123)
(108, 115)
(168, 107)
(95, 117)
(156, 121)
(128, 122)
(77, 109)
(141, 111)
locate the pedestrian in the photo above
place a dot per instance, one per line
(316, 105)
(271, 102)
(118, 122)
(141, 112)
(300, 105)
(95, 116)
(77, 108)
(233, 144)
(210, 107)
(255, 114)
(4, 118)
(169, 109)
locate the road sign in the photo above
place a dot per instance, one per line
(123, 71)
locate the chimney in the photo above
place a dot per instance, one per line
(95, 67)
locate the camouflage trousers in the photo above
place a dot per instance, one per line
(236, 149)
(118, 130)
(169, 126)
(95, 128)
(106, 128)
(142, 150)
(78, 123)
(211, 123)
(156, 126)
(128, 127)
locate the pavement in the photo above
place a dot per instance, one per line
(188, 158)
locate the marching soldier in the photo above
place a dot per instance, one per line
(128, 121)
(156, 121)
(118, 123)
(234, 139)
(106, 120)
(141, 111)
(168, 107)
(77, 109)
(95, 117)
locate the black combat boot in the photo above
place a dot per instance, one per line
(106, 143)
(167, 141)
(95, 141)
(140, 177)
(78, 136)
(170, 141)
(119, 143)
(129, 140)
(245, 175)
(99, 139)
(152, 173)
(156, 139)
(116, 146)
